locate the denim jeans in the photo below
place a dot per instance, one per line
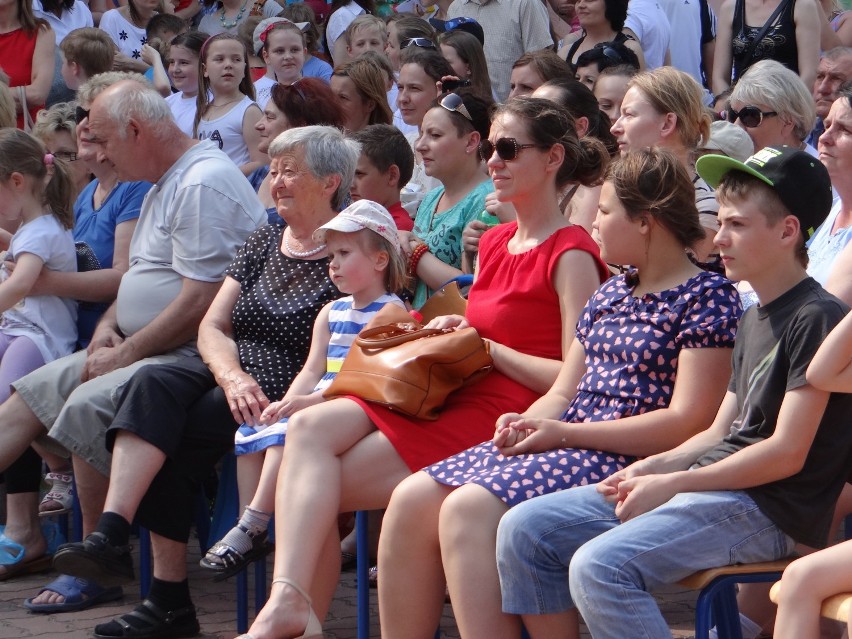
(614, 567)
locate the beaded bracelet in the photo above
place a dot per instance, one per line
(415, 257)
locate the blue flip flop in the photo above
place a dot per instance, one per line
(79, 594)
(12, 560)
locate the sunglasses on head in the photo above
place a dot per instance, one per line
(507, 149)
(295, 86)
(80, 114)
(423, 43)
(750, 115)
(609, 52)
(453, 102)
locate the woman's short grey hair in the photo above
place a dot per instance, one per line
(59, 117)
(137, 99)
(326, 151)
(771, 83)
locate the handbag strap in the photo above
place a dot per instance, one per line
(763, 31)
(25, 112)
(392, 336)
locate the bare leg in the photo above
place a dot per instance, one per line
(468, 534)
(19, 427)
(23, 525)
(264, 497)
(249, 476)
(326, 467)
(135, 463)
(805, 584)
(411, 581)
(92, 489)
(169, 558)
(545, 626)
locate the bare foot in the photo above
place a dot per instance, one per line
(284, 615)
(49, 597)
(35, 545)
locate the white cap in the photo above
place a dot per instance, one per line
(362, 214)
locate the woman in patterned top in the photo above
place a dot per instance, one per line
(647, 369)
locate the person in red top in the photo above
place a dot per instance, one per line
(534, 277)
(26, 55)
(385, 166)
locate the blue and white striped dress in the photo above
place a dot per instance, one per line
(344, 324)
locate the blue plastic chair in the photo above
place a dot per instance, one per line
(717, 601)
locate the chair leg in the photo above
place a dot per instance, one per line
(242, 602)
(145, 573)
(362, 567)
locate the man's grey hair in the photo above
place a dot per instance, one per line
(137, 99)
(837, 52)
(782, 90)
(326, 151)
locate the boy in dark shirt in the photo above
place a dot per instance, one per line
(763, 477)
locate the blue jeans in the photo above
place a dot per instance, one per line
(613, 566)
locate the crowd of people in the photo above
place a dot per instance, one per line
(203, 203)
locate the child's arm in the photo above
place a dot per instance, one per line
(831, 367)
(310, 375)
(252, 139)
(161, 79)
(20, 281)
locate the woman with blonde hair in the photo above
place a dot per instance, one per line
(663, 108)
(360, 89)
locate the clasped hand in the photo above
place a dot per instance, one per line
(515, 434)
(638, 489)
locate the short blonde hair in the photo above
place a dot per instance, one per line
(673, 91)
(365, 23)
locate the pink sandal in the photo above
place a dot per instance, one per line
(60, 499)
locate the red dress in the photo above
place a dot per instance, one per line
(513, 302)
(16, 58)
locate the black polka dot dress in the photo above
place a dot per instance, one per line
(280, 297)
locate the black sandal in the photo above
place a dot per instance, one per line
(226, 561)
(151, 622)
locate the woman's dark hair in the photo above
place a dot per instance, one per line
(433, 63)
(479, 109)
(546, 63)
(470, 51)
(303, 12)
(616, 13)
(52, 6)
(581, 102)
(29, 23)
(409, 27)
(548, 123)
(607, 54)
(654, 181)
(308, 101)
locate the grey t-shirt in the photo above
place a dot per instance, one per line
(191, 224)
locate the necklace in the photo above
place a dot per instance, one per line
(239, 16)
(313, 251)
(224, 104)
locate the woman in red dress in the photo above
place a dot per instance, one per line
(26, 54)
(534, 277)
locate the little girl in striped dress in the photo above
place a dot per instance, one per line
(365, 261)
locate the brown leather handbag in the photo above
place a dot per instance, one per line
(411, 369)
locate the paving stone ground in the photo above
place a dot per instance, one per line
(216, 603)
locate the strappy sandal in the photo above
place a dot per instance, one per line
(60, 499)
(313, 628)
(226, 561)
(156, 623)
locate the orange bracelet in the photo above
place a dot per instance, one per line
(415, 257)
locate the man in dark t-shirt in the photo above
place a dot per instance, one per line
(763, 477)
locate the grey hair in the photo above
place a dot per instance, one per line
(326, 151)
(782, 90)
(59, 117)
(837, 52)
(139, 100)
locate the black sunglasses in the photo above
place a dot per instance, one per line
(454, 102)
(80, 114)
(750, 115)
(295, 86)
(507, 149)
(609, 52)
(423, 43)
